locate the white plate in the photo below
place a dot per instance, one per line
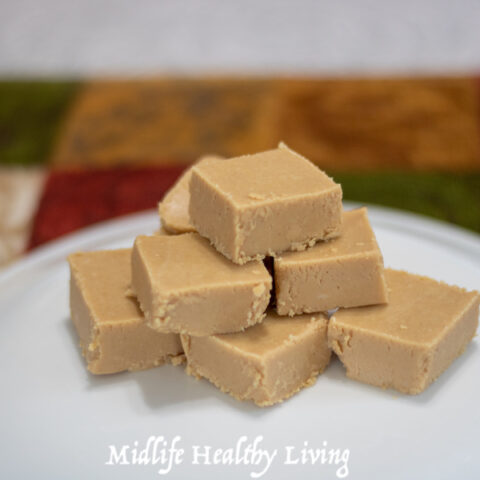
(57, 421)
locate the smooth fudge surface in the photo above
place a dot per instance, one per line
(409, 342)
(185, 286)
(113, 335)
(173, 209)
(343, 272)
(266, 363)
(263, 204)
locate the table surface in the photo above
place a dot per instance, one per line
(98, 37)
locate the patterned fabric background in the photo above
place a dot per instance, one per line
(73, 153)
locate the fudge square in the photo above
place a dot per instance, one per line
(113, 335)
(408, 343)
(344, 272)
(185, 286)
(173, 209)
(263, 204)
(266, 363)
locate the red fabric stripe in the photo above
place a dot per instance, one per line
(74, 199)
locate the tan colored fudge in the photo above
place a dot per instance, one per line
(185, 286)
(408, 343)
(113, 335)
(173, 209)
(162, 231)
(263, 204)
(266, 363)
(344, 272)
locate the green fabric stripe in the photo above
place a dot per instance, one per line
(450, 197)
(30, 114)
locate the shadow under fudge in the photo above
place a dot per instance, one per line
(152, 383)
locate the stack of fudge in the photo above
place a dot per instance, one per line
(253, 255)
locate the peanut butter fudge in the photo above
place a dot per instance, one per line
(408, 343)
(112, 331)
(263, 204)
(266, 363)
(185, 286)
(173, 209)
(344, 272)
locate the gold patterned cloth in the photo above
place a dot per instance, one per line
(420, 124)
